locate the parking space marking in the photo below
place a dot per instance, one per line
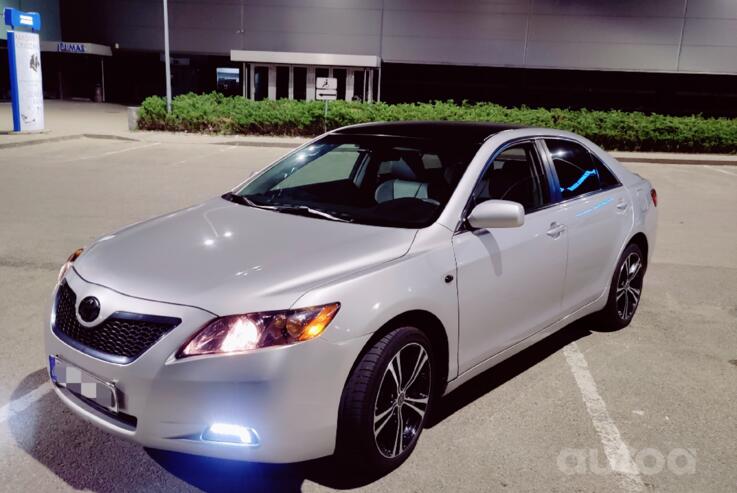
(110, 153)
(186, 160)
(617, 453)
(23, 402)
(720, 170)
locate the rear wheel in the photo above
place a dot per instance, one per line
(386, 401)
(625, 290)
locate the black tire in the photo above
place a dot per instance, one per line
(370, 391)
(624, 293)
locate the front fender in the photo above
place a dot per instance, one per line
(371, 298)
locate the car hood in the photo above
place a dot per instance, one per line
(230, 258)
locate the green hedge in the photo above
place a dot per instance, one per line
(613, 130)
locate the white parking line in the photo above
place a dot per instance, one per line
(720, 170)
(110, 153)
(185, 160)
(617, 453)
(23, 402)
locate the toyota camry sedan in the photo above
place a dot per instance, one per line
(326, 304)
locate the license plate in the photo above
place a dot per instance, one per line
(83, 384)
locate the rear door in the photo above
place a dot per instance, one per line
(510, 280)
(596, 211)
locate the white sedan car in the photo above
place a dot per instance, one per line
(324, 306)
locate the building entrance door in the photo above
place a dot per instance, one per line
(260, 82)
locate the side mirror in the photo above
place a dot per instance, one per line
(497, 214)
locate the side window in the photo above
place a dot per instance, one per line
(332, 166)
(516, 175)
(579, 172)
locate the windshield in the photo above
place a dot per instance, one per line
(367, 179)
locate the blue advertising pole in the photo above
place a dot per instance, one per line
(24, 56)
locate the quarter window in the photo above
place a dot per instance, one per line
(606, 178)
(579, 172)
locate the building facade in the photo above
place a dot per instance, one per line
(406, 50)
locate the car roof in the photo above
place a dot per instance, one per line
(464, 131)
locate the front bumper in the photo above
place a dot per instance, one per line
(290, 395)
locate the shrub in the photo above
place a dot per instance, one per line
(614, 130)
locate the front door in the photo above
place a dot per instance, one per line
(510, 280)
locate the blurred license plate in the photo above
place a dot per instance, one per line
(83, 384)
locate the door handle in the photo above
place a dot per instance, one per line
(556, 230)
(622, 205)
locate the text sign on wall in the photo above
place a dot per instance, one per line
(326, 88)
(63, 47)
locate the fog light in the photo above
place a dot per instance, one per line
(228, 433)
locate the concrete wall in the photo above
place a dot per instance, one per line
(49, 10)
(639, 35)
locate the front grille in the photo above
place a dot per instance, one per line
(121, 338)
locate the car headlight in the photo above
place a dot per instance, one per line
(68, 264)
(239, 333)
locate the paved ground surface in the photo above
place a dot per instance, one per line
(666, 386)
(71, 119)
(88, 118)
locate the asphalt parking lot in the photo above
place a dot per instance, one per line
(553, 418)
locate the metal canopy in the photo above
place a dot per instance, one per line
(295, 58)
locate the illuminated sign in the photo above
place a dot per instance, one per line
(15, 18)
(63, 47)
(24, 55)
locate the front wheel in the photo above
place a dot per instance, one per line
(386, 401)
(625, 290)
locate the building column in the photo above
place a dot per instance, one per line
(363, 94)
(272, 82)
(291, 82)
(349, 85)
(378, 89)
(310, 83)
(370, 89)
(251, 84)
(244, 80)
(102, 71)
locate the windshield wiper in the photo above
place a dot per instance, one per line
(240, 199)
(303, 210)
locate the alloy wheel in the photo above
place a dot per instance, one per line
(402, 400)
(629, 286)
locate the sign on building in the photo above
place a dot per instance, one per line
(326, 88)
(76, 48)
(24, 54)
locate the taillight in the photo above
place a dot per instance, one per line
(654, 196)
